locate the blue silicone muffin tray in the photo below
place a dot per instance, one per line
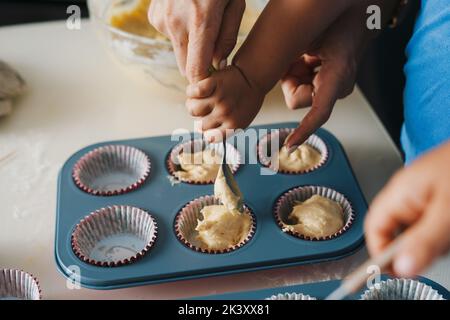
(319, 290)
(169, 259)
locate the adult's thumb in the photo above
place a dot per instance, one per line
(424, 241)
(229, 31)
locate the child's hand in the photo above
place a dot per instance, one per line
(225, 100)
(303, 88)
(418, 197)
(337, 55)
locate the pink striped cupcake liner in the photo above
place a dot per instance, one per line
(18, 285)
(186, 222)
(286, 202)
(114, 236)
(111, 170)
(291, 296)
(401, 289)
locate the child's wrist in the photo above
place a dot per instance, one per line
(252, 79)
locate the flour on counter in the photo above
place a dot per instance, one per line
(24, 164)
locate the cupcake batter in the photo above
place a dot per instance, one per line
(199, 166)
(316, 217)
(223, 191)
(222, 228)
(303, 158)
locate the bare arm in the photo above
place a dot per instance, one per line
(344, 42)
(334, 37)
(284, 30)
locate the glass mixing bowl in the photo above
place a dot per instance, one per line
(147, 59)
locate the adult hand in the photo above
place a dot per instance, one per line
(202, 32)
(416, 198)
(327, 73)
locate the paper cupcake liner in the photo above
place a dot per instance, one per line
(114, 236)
(313, 141)
(186, 222)
(285, 203)
(111, 170)
(233, 157)
(291, 296)
(401, 289)
(18, 285)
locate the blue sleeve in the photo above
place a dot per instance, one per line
(427, 92)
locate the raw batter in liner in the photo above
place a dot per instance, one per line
(223, 226)
(303, 158)
(316, 217)
(200, 166)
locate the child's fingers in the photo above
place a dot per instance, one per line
(296, 95)
(297, 85)
(215, 135)
(201, 89)
(302, 70)
(327, 86)
(209, 122)
(228, 34)
(312, 61)
(425, 241)
(199, 107)
(224, 131)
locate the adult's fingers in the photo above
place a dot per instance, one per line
(228, 34)
(424, 241)
(199, 53)
(156, 17)
(180, 50)
(173, 28)
(397, 205)
(203, 34)
(327, 86)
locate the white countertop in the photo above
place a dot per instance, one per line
(76, 97)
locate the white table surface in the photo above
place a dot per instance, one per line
(77, 96)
